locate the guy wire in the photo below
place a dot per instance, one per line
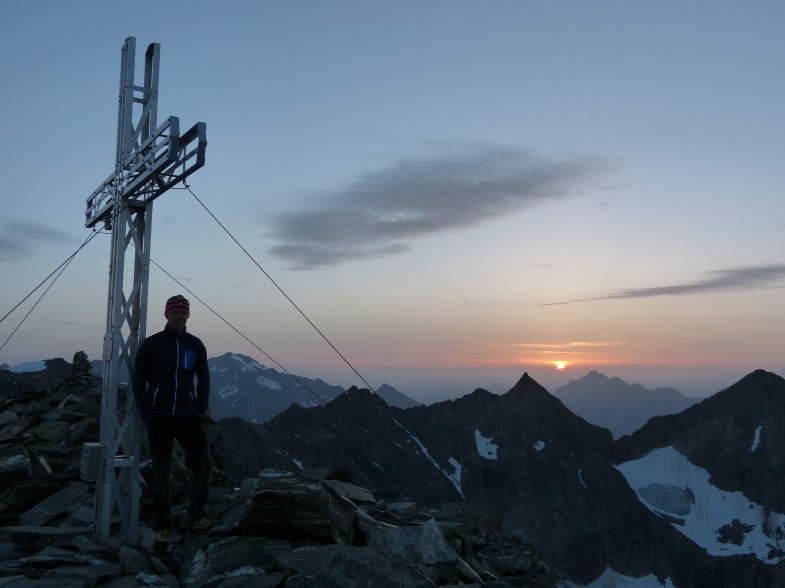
(274, 283)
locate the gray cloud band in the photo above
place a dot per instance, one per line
(741, 278)
(18, 238)
(382, 212)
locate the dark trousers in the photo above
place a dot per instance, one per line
(162, 430)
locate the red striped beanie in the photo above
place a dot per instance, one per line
(178, 302)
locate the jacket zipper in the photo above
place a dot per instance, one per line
(176, 370)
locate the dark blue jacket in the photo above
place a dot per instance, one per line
(164, 370)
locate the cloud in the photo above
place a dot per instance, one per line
(18, 238)
(567, 347)
(383, 211)
(740, 278)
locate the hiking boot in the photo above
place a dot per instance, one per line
(201, 525)
(163, 539)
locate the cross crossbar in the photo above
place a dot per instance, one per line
(162, 161)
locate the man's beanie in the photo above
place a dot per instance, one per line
(178, 302)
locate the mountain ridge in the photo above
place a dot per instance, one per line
(691, 499)
(246, 388)
(618, 406)
(557, 481)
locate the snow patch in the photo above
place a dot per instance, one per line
(485, 446)
(246, 363)
(756, 441)
(454, 477)
(227, 391)
(268, 383)
(723, 523)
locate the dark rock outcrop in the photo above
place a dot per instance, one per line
(736, 434)
(53, 373)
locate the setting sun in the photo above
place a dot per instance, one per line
(560, 365)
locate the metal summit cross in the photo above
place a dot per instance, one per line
(150, 160)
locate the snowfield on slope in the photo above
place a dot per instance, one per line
(723, 523)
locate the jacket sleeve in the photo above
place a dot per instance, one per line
(202, 382)
(139, 381)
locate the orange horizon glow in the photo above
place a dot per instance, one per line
(573, 356)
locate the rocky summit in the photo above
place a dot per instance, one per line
(495, 490)
(276, 528)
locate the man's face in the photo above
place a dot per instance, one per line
(176, 319)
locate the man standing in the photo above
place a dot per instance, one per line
(172, 408)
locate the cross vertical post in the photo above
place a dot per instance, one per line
(150, 160)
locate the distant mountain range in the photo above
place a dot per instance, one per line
(244, 388)
(620, 407)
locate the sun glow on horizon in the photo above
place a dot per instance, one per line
(560, 365)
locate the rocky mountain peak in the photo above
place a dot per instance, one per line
(527, 384)
(394, 397)
(359, 401)
(761, 384)
(616, 405)
(595, 377)
(735, 434)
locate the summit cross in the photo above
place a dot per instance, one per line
(150, 160)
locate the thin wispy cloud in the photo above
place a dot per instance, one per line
(567, 347)
(740, 278)
(384, 211)
(19, 239)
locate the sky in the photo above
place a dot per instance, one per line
(449, 191)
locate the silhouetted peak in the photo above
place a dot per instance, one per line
(481, 393)
(528, 384)
(594, 376)
(758, 381)
(480, 397)
(762, 376)
(394, 397)
(355, 398)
